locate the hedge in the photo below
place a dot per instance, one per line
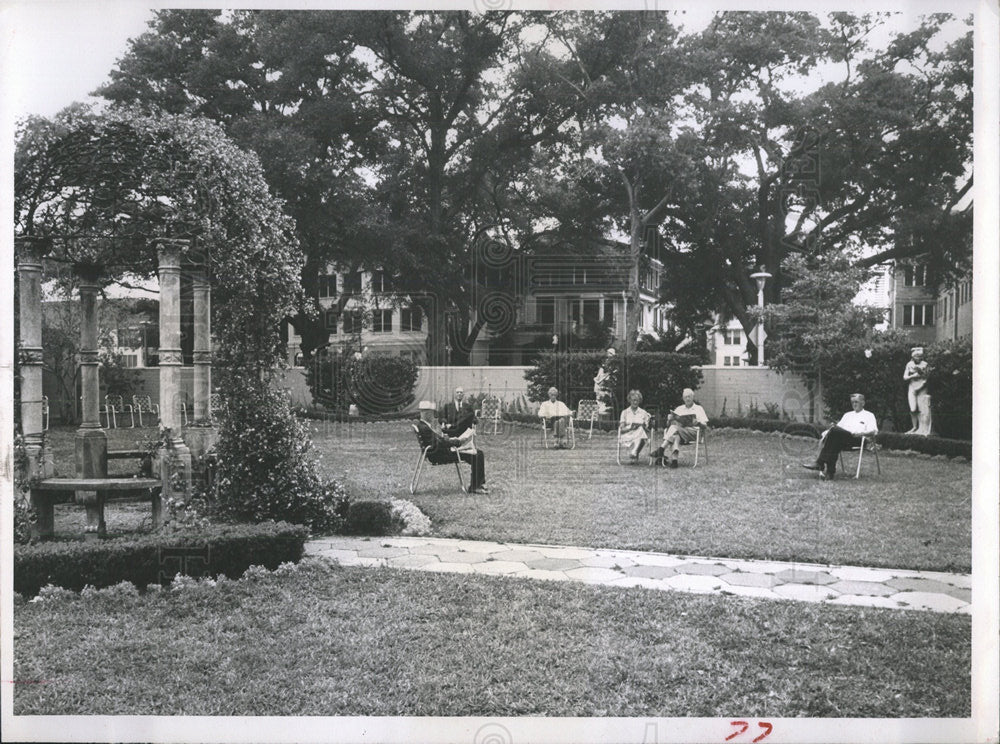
(887, 440)
(659, 376)
(376, 383)
(156, 558)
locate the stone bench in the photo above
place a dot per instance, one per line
(46, 493)
(138, 454)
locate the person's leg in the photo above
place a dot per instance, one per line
(559, 427)
(911, 396)
(836, 441)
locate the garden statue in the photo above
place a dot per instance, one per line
(602, 385)
(915, 375)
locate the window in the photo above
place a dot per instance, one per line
(353, 322)
(545, 310)
(129, 360)
(410, 319)
(591, 311)
(733, 361)
(914, 276)
(381, 282)
(918, 315)
(327, 285)
(330, 318)
(352, 283)
(732, 337)
(382, 321)
(726, 361)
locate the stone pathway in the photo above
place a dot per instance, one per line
(805, 582)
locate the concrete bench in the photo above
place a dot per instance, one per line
(46, 493)
(128, 454)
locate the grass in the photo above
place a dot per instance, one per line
(752, 500)
(328, 640)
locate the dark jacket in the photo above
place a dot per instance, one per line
(440, 450)
(456, 419)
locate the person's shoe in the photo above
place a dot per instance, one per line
(813, 465)
(633, 459)
(673, 464)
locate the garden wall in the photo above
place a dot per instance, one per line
(740, 388)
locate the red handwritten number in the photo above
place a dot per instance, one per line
(767, 730)
(733, 735)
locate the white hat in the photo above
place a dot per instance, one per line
(427, 405)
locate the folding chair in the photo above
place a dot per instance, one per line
(182, 407)
(45, 413)
(424, 448)
(586, 412)
(113, 405)
(214, 403)
(144, 404)
(570, 432)
(700, 444)
(647, 447)
(490, 410)
(869, 444)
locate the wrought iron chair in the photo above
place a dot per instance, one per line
(425, 447)
(144, 404)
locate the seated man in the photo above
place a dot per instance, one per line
(633, 425)
(556, 415)
(683, 424)
(845, 434)
(457, 416)
(440, 447)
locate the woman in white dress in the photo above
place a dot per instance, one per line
(633, 426)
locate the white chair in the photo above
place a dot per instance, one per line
(490, 410)
(570, 433)
(700, 444)
(646, 446)
(586, 413)
(113, 405)
(45, 413)
(868, 444)
(144, 404)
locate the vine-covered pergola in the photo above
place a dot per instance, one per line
(132, 194)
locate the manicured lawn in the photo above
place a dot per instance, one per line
(328, 640)
(752, 500)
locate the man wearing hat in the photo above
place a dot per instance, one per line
(843, 435)
(441, 447)
(457, 416)
(915, 375)
(683, 424)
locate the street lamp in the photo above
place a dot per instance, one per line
(761, 278)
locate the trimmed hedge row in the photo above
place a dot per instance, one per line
(341, 417)
(887, 440)
(156, 558)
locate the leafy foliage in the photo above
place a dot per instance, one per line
(376, 383)
(950, 385)
(372, 518)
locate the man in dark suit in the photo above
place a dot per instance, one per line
(457, 416)
(441, 451)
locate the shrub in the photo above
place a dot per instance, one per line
(660, 376)
(24, 513)
(950, 386)
(155, 559)
(264, 470)
(376, 383)
(849, 369)
(414, 521)
(372, 518)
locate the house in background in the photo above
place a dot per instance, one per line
(928, 315)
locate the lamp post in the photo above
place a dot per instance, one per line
(761, 278)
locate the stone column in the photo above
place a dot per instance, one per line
(29, 271)
(91, 441)
(200, 436)
(177, 466)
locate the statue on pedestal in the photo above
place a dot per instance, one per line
(915, 375)
(602, 385)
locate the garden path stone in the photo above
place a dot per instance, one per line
(897, 589)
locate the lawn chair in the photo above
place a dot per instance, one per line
(144, 404)
(570, 432)
(700, 444)
(490, 410)
(183, 405)
(868, 444)
(647, 447)
(586, 413)
(45, 413)
(425, 446)
(214, 403)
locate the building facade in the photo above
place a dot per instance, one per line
(925, 314)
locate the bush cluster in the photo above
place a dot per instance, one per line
(950, 386)
(376, 383)
(156, 559)
(372, 518)
(659, 376)
(264, 468)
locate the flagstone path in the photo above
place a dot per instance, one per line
(805, 582)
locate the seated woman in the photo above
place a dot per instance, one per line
(556, 415)
(633, 426)
(682, 426)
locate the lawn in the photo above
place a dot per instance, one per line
(751, 500)
(329, 640)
